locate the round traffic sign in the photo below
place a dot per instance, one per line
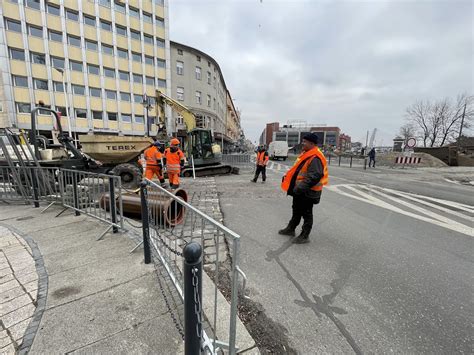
(411, 142)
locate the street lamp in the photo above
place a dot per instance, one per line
(61, 70)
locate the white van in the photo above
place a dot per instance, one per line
(278, 150)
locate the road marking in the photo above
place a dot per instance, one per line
(435, 219)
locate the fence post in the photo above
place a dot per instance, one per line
(365, 163)
(192, 271)
(329, 161)
(350, 164)
(34, 180)
(75, 195)
(145, 222)
(340, 160)
(113, 207)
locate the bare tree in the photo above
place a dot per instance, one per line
(418, 115)
(407, 131)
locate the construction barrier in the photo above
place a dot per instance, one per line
(407, 160)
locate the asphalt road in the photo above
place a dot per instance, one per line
(388, 269)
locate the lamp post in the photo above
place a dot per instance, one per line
(61, 70)
(148, 106)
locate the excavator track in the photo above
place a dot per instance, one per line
(211, 170)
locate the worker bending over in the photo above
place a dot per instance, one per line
(262, 161)
(174, 160)
(154, 162)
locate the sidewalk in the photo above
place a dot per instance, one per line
(90, 296)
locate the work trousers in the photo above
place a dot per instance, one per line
(260, 169)
(154, 170)
(173, 177)
(372, 161)
(302, 208)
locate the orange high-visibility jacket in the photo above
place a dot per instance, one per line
(262, 158)
(306, 158)
(174, 160)
(152, 156)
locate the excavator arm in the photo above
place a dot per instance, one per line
(188, 116)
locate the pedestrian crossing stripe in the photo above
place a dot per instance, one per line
(412, 205)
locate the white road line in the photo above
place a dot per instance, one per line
(419, 200)
(457, 227)
(458, 205)
(278, 167)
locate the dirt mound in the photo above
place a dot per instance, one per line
(426, 160)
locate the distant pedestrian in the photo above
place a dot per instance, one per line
(174, 161)
(305, 181)
(372, 157)
(261, 164)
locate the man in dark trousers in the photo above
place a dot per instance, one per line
(262, 161)
(305, 181)
(372, 157)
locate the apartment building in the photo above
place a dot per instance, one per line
(94, 61)
(198, 82)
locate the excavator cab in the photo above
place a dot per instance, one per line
(200, 147)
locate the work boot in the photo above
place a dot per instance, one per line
(253, 180)
(301, 239)
(287, 231)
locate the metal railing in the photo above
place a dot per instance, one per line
(236, 159)
(346, 161)
(171, 224)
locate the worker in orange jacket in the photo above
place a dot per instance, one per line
(174, 160)
(261, 164)
(153, 157)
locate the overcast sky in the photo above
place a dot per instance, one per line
(352, 64)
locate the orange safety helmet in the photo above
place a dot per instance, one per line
(175, 141)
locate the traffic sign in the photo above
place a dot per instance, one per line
(411, 142)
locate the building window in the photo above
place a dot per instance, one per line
(125, 96)
(159, 2)
(148, 39)
(137, 57)
(147, 17)
(180, 93)
(22, 107)
(135, 35)
(123, 75)
(126, 117)
(38, 58)
(17, 54)
(93, 69)
(161, 83)
(80, 113)
(198, 58)
(20, 81)
(138, 99)
(91, 45)
(209, 100)
(161, 63)
(76, 66)
(58, 86)
(198, 73)
(97, 115)
(90, 21)
(150, 81)
(121, 30)
(149, 60)
(112, 116)
(179, 67)
(180, 52)
(35, 31)
(78, 89)
(74, 41)
(107, 49)
(55, 36)
(53, 10)
(13, 25)
(72, 15)
(104, 3)
(95, 92)
(209, 77)
(198, 97)
(57, 62)
(137, 78)
(160, 43)
(111, 95)
(34, 4)
(105, 25)
(139, 119)
(134, 12)
(110, 73)
(160, 22)
(61, 110)
(119, 7)
(122, 53)
(40, 84)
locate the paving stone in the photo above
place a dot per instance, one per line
(31, 286)
(18, 330)
(7, 350)
(11, 294)
(17, 316)
(14, 304)
(6, 278)
(4, 272)
(5, 341)
(24, 279)
(9, 285)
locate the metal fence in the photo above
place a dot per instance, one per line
(346, 161)
(173, 223)
(96, 195)
(236, 159)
